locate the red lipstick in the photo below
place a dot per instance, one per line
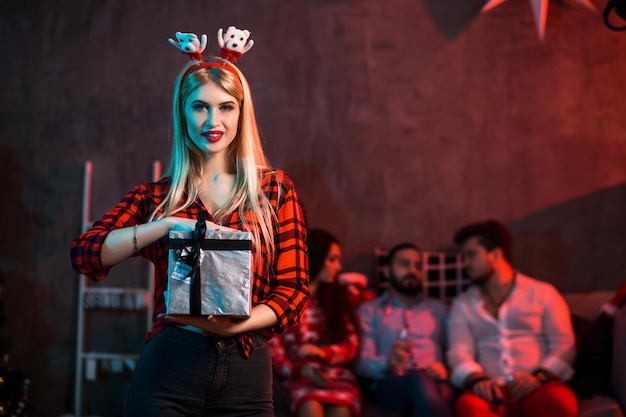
(213, 135)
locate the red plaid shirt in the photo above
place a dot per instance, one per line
(282, 286)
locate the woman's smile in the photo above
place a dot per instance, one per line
(213, 135)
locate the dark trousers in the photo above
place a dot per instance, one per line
(416, 394)
(181, 373)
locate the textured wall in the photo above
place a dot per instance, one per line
(397, 120)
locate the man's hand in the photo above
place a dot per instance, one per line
(313, 373)
(522, 385)
(438, 371)
(489, 391)
(399, 354)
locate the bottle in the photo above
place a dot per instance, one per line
(400, 370)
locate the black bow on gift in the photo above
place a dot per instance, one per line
(192, 258)
(620, 9)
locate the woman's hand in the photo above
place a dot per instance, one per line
(261, 317)
(311, 351)
(185, 224)
(313, 373)
(218, 325)
(122, 243)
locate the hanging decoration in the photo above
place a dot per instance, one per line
(540, 11)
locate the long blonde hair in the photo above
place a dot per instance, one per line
(245, 155)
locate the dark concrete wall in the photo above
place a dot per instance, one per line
(397, 120)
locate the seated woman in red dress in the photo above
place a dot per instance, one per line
(313, 359)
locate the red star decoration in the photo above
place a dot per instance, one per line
(540, 11)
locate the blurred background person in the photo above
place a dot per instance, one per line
(403, 341)
(313, 360)
(511, 339)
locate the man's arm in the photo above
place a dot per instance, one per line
(370, 363)
(461, 354)
(561, 347)
(561, 341)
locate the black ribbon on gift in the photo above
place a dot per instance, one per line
(192, 258)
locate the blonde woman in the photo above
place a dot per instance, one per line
(191, 366)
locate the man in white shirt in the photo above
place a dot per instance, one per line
(511, 341)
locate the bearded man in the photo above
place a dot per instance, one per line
(403, 342)
(511, 338)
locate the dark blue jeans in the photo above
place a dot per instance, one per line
(416, 394)
(181, 373)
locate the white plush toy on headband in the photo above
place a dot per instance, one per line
(234, 42)
(189, 44)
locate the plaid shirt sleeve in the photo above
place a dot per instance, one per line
(86, 248)
(290, 270)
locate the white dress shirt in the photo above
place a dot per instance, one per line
(533, 330)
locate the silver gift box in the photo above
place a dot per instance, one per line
(225, 274)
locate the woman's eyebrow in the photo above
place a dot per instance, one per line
(207, 103)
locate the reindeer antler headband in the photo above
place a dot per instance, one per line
(233, 43)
